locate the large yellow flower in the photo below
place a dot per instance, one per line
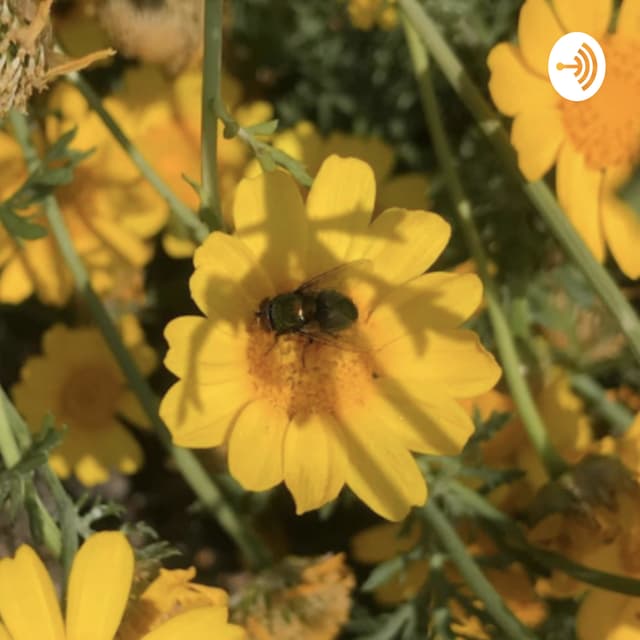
(165, 125)
(111, 212)
(593, 143)
(99, 586)
(78, 380)
(312, 414)
(305, 143)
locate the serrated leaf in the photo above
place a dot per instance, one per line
(263, 128)
(19, 226)
(58, 149)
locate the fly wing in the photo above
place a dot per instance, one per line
(347, 340)
(334, 278)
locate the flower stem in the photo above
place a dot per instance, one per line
(538, 192)
(505, 342)
(186, 216)
(188, 464)
(616, 414)
(453, 545)
(513, 537)
(211, 210)
(41, 522)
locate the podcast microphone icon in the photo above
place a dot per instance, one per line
(589, 66)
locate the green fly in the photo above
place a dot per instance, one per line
(315, 309)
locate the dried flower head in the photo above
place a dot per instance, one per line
(301, 599)
(27, 59)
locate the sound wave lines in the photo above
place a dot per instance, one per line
(586, 66)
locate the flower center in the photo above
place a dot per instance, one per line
(606, 128)
(303, 377)
(90, 396)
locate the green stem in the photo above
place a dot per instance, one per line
(474, 578)
(14, 439)
(188, 464)
(186, 216)
(534, 425)
(513, 537)
(211, 210)
(617, 415)
(538, 192)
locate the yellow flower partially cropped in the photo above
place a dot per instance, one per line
(165, 126)
(78, 380)
(110, 211)
(299, 599)
(170, 594)
(97, 595)
(305, 143)
(593, 143)
(312, 413)
(367, 14)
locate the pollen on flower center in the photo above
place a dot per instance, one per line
(303, 377)
(90, 395)
(606, 128)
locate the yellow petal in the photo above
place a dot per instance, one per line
(270, 218)
(340, 205)
(629, 18)
(228, 283)
(99, 586)
(90, 470)
(536, 153)
(314, 462)
(513, 86)
(384, 541)
(380, 470)
(621, 228)
(608, 615)
(52, 281)
(28, 603)
(424, 422)
(538, 30)
(201, 416)
(203, 352)
(204, 623)
(130, 409)
(4, 634)
(402, 244)
(578, 189)
(589, 16)
(407, 191)
(255, 447)
(374, 151)
(16, 285)
(453, 360)
(437, 300)
(127, 245)
(119, 449)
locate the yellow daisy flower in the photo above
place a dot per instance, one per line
(78, 380)
(367, 14)
(111, 212)
(592, 143)
(166, 128)
(98, 592)
(308, 413)
(305, 143)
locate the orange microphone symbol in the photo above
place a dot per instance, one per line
(586, 66)
(589, 66)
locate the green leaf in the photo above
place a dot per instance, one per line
(384, 572)
(20, 226)
(266, 160)
(263, 128)
(392, 624)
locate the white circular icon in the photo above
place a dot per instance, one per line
(576, 66)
